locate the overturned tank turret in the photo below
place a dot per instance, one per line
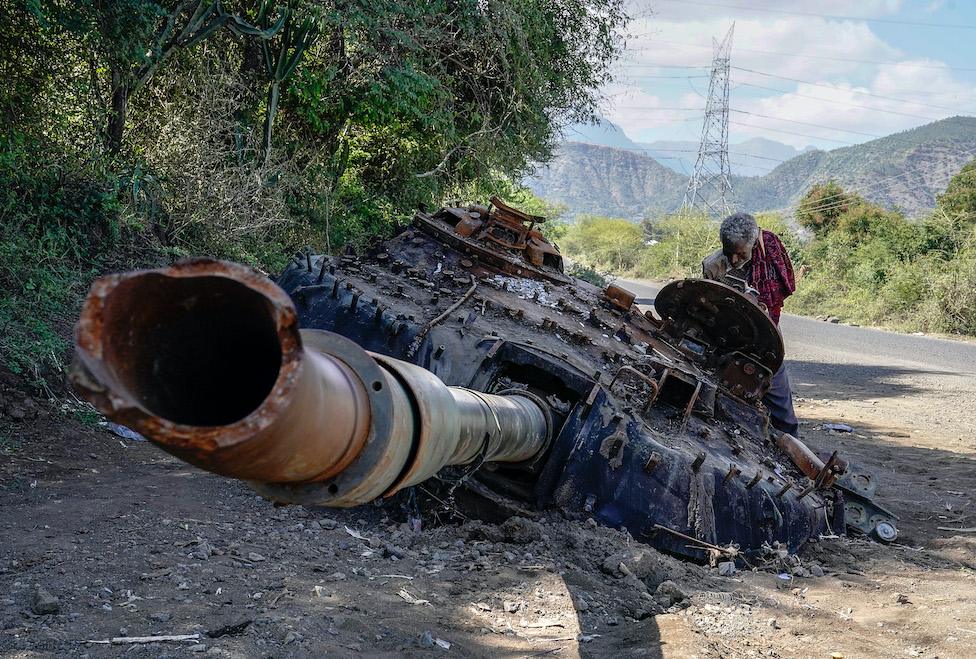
(463, 342)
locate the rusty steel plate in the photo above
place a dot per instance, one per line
(730, 320)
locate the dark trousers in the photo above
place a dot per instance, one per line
(779, 402)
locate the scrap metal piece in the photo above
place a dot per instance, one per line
(621, 298)
(721, 317)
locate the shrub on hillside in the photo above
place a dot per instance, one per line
(823, 205)
(604, 243)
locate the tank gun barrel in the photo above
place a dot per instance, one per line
(206, 359)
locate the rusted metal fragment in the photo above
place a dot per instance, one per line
(806, 460)
(500, 236)
(619, 297)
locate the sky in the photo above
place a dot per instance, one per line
(828, 73)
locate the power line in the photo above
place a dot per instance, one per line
(653, 108)
(831, 100)
(819, 57)
(764, 116)
(703, 67)
(657, 77)
(788, 132)
(927, 92)
(807, 123)
(735, 153)
(856, 91)
(890, 21)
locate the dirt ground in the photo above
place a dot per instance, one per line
(114, 538)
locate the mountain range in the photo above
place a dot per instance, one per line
(753, 157)
(620, 178)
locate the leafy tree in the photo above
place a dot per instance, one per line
(959, 199)
(823, 205)
(250, 128)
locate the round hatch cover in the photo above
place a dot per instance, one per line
(728, 319)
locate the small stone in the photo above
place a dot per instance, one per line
(426, 640)
(772, 623)
(292, 637)
(816, 570)
(668, 593)
(512, 607)
(726, 568)
(902, 599)
(581, 605)
(199, 647)
(161, 616)
(394, 551)
(509, 556)
(328, 523)
(43, 602)
(255, 557)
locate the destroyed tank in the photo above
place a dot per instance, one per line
(461, 348)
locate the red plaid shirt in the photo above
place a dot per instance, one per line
(772, 273)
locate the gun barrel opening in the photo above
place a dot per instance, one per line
(199, 352)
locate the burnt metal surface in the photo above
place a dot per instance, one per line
(659, 420)
(651, 424)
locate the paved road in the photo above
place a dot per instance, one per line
(808, 339)
(908, 380)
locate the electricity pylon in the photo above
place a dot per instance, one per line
(710, 187)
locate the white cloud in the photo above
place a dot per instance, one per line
(845, 108)
(759, 44)
(637, 111)
(681, 10)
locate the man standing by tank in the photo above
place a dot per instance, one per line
(759, 258)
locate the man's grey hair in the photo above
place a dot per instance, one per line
(739, 228)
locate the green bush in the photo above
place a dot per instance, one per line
(683, 240)
(604, 243)
(58, 230)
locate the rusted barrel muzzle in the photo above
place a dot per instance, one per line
(205, 358)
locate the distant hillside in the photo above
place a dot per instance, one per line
(903, 171)
(602, 133)
(753, 157)
(604, 181)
